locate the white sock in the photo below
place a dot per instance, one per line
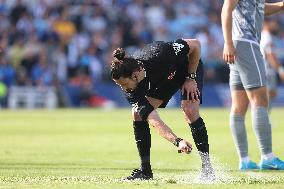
(268, 157)
(245, 159)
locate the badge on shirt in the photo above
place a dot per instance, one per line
(177, 47)
(171, 76)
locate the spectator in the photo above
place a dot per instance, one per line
(41, 73)
(7, 72)
(63, 26)
(18, 11)
(90, 61)
(17, 50)
(61, 65)
(76, 34)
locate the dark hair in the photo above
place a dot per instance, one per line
(122, 66)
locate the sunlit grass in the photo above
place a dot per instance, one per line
(96, 149)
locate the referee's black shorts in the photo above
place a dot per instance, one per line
(166, 92)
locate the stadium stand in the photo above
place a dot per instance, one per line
(68, 44)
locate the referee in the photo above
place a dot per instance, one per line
(149, 79)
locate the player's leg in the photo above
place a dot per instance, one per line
(271, 95)
(254, 81)
(259, 106)
(200, 136)
(143, 143)
(271, 87)
(260, 120)
(237, 124)
(239, 105)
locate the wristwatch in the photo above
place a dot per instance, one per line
(191, 76)
(177, 141)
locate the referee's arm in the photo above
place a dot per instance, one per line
(164, 131)
(146, 110)
(193, 54)
(154, 119)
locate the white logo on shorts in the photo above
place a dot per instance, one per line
(135, 107)
(177, 47)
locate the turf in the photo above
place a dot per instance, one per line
(90, 148)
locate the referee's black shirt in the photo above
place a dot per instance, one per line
(166, 66)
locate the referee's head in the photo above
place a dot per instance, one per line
(123, 66)
(124, 70)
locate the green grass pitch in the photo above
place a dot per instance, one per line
(91, 148)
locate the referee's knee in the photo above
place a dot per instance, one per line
(190, 110)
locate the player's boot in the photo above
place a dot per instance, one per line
(275, 164)
(137, 174)
(250, 165)
(207, 173)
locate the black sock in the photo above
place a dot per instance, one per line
(199, 134)
(143, 143)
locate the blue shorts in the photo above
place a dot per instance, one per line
(248, 71)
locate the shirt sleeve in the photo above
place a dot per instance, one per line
(180, 48)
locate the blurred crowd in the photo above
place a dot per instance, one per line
(55, 42)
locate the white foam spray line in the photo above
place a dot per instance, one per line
(222, 174)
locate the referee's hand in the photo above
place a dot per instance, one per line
(185, 147)
(190, 88)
